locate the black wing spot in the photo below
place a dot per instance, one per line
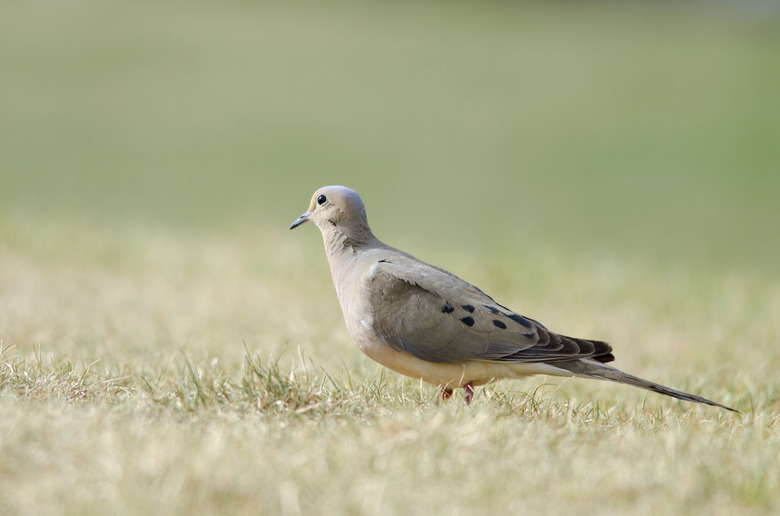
(499, 324)
(493, 309)
(519, 319)
(447, 309)
(468, 308)
(468, 321)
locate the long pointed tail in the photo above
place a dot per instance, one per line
(592, 369)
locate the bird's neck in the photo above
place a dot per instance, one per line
(344, 251)
(342, 242)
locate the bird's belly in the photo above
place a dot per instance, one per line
(450, 375)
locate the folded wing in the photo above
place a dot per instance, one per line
(438, 317)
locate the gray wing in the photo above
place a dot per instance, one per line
(438, 317)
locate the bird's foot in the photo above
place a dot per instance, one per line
(469, 388)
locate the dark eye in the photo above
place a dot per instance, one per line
(322, 200)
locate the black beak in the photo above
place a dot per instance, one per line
(300, 220)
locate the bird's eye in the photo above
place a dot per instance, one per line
(322, 200)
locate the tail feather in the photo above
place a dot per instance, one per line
(591, 369)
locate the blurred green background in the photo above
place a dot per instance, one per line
(648, 132)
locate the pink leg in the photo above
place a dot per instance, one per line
(446, 393)
(469, 388)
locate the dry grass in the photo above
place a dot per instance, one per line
(158, 373)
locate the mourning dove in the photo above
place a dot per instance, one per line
(426, 323)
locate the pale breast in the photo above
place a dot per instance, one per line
(450, 375)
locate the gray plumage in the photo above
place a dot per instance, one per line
(424, 322)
